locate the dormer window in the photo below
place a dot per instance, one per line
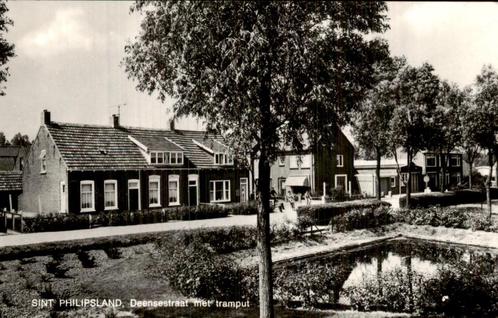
(166, 157)
(223, 159)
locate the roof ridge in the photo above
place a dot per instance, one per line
(125, 127)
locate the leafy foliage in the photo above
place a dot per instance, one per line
(6, 49)
(362, 219)
(425, 200)
(321, 214)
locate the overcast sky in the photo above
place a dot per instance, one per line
(69, 54)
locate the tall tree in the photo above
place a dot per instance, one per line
(263, 74)
(443, 126)
(6, 49)
(371, 123)
(414, 93)
(20, 140)
(486, 101)
(470, 123)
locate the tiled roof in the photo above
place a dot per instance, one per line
(10, 181)
(7, 163)
(91, 147)
(9, 151)
(86, 147)
(197, 156)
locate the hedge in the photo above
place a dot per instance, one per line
(65, 222)
(246, 208)
(321, 214)
(426, 200)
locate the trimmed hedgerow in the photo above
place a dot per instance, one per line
(426, 200)
(321, 214)
(245, 208)
(362, 219)
(460, 218)
(65, 222)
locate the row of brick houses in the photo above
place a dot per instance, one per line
(75, 168)
(88, 168)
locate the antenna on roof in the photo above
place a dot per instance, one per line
(119, 107)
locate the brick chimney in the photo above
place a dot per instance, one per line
(115, 121)
(45, 117)
(172, 124)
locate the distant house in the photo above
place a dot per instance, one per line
(88, 168)
(308, 170)
(484, 171)
(11, 166)
(431, 166)
(425, 163)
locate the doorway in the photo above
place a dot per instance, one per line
(133, 195)
(244, 190)
(193, 189)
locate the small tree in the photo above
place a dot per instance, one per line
(20, 140)
(6, 49)
(3, 140)
(262, 73)
(486, 102)
(414, 94)
(371, 123)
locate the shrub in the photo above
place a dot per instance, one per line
(387, 291)
(113, 252)
(196, 271)
(56, 268)
(426, 200)
(200, 212)
(362, 219)
(245, 208)
(321, 214)
(87, 260)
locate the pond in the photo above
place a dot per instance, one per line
(399, 275)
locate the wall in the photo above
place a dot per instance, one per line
(41, 191)
(326, 166)
(233, 175)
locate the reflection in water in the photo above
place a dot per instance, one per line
(396, 275)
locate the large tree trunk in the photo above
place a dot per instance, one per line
(263, 227)
(470, 174)
(488, 181)
(409, 179)
(377, 173)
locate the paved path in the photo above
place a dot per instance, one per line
(46, 237)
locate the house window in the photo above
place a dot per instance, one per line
(306, 161)
(340, 160)
(219, 191)
(281, 161)
(455, 161)
(154, 191)
(87, 196)
(174, 190)
(430, 161)
(166, 157)
(393, 181)
(294, 162)
(43, 161)
(110, 195)
(223, 159)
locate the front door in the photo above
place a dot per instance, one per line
(341, 180)
(244, 190)
(193, 189)
(133, 195)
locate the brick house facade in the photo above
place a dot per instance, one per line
(309, 169)
(88, 168)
